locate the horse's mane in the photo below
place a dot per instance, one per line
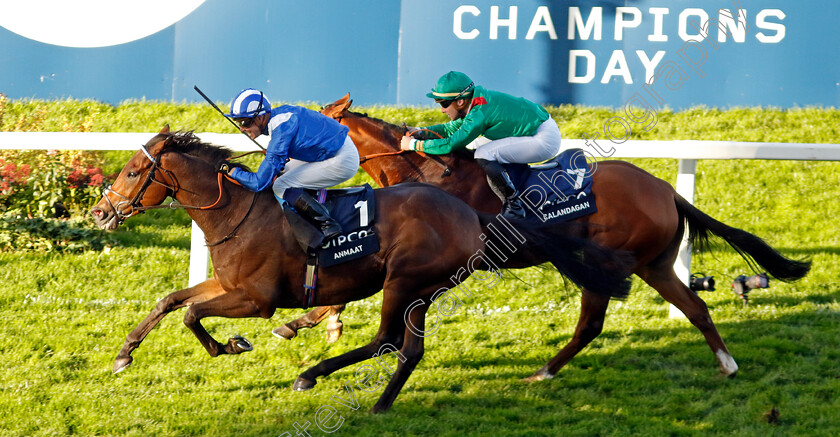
(394, 128)
(458, 154)
(188, 143)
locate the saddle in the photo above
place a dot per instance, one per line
(557, 190)
(354, 209)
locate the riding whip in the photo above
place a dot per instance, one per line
(226, 117)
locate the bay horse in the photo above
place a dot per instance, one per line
(427, 239)
(637, 212)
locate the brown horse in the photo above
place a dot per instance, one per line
(429, 240)
(637, 212)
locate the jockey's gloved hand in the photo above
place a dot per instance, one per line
(225, 168)
(407, 143)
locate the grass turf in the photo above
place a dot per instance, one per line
(66, 316)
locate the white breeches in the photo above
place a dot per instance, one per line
(319, 174)
(544, 145)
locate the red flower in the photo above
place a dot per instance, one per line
(75, 178)
(96, 180)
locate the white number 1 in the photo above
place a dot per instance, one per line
(363, 212)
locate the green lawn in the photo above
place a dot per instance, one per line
(64, 318)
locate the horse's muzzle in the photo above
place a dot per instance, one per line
(104, 219)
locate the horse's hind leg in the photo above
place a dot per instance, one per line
(393, 336)
(593, 309)
(412, 352)
(388, 338)
(665, 281)
(199, 293)
(334, 325)
(312, 319)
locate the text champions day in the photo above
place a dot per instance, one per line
(734, 24)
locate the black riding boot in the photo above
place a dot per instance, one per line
(311, 209)
(504, 188)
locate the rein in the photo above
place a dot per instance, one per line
(362, 159)
(174, 204)
(446, 170)
(236, 228)
(137, 207)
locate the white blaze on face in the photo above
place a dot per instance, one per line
(92, 23)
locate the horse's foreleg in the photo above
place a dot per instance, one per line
(229, 305)
(666, 282)
(199, 293)
(312, 319)
(593, 310)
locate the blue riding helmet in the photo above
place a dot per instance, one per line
(249, 103)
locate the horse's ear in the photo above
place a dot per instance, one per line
(344, 103)
(165, 129)
(337, 109)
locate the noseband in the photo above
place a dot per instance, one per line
(137, 207)
(135, 204)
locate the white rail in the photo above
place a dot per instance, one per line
(686, 151)
(689, 151)
(199, 256)
(107, 140)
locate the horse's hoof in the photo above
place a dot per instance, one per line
(121, 363)
(303, 384)
(727, 365)
(535, 378)
(333, 335)
(284, 332)
(377, 409)
(239, 344)
(726, 374)
(539, 375)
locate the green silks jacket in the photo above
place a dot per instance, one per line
(493, 114)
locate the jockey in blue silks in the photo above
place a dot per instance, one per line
(306, 150)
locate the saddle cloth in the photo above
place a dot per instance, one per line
(556, 191)
(353, 208)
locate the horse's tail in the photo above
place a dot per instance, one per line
(752, 248)
(599, 270)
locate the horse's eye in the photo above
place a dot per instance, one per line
(132, 174)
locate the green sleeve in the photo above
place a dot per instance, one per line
(443, 129)
(457, 134)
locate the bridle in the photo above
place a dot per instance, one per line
(447, 171)
(136, 206)
(362, 159)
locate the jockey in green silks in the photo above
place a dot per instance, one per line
(501, 128)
